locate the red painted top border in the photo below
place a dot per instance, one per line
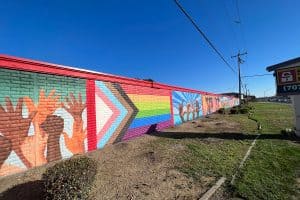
(11, 62)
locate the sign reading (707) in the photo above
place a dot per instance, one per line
(288, 81)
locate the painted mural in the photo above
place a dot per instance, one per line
(42, 119)
(227, 102)
(186, 106)
(114, 113)
(210, 104)
(154, 110)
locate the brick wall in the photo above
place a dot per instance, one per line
(50, 112)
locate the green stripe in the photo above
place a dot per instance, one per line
(148, 113)
(151, 105)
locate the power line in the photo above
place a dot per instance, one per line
(256, 75)
(203, 35)
(239, 22)
(230, 20)
(238, 12)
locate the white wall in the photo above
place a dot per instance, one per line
(296, 103)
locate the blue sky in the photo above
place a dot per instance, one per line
(153, 39)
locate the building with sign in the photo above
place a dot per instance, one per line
(288, 83)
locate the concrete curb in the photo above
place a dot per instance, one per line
(244, 159)
(213, 189)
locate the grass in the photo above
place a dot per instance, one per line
(217, 158)
(214, 160)
(274, 117)
(274, 165)
(246, 125)
(271, 170)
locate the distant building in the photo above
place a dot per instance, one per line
(236, 94)
(233, 94)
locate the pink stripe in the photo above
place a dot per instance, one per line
(114, 109)
(135, 132)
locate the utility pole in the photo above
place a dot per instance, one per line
(239, 62)
(246, 90)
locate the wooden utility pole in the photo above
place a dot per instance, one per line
(239, 62)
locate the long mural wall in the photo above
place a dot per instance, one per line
(46, 117)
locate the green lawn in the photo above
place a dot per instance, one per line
(274, 164)
(271, 170)
(213, 159)
(274, 117)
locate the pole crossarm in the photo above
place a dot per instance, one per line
(239, 62)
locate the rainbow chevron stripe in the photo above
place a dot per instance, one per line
(114, 112)
(148, 119)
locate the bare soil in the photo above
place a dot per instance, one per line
(136, 169)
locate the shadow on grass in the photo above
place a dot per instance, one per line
(225, 136)
(25, 191)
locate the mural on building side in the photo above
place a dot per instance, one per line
(186, 106)
(154, 110)
(114, 113)
(210, 104)
(42, 119)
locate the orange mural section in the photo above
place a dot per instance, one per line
(42, 119)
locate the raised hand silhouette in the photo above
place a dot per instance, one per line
(38, 142)
(181, 112)
(14, 127)
(5, 149)
(53, 127)
(46, 106)
(75, 143)
(197, 108)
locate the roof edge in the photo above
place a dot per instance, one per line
(24, 64)
(283, 64)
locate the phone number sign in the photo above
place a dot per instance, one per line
(288, 81)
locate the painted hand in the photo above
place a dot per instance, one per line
(5, 149)
(33, 149)
(38, 142)
(53, 126)
(181, 112)
(74, 107)
(46, 106)
(75, 143)
(14, 127)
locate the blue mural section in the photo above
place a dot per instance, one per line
(186, 106)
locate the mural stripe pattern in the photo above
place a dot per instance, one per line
(154, 112)
(114, 111)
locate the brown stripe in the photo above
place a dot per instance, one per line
(116, 90)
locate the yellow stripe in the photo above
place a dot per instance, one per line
(148, 98)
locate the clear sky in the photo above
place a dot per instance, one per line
(153, 39)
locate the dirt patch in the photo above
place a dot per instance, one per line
(136, 169)
(213, 124)
(142, 172)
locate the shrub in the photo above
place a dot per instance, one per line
(234, 110)
(70, 179)
(244, 110)
(221, 111)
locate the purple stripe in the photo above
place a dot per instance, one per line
(135, 132)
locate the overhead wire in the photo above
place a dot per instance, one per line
(233, 32)
(204, 36)
(257, 75)
(242, 34)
